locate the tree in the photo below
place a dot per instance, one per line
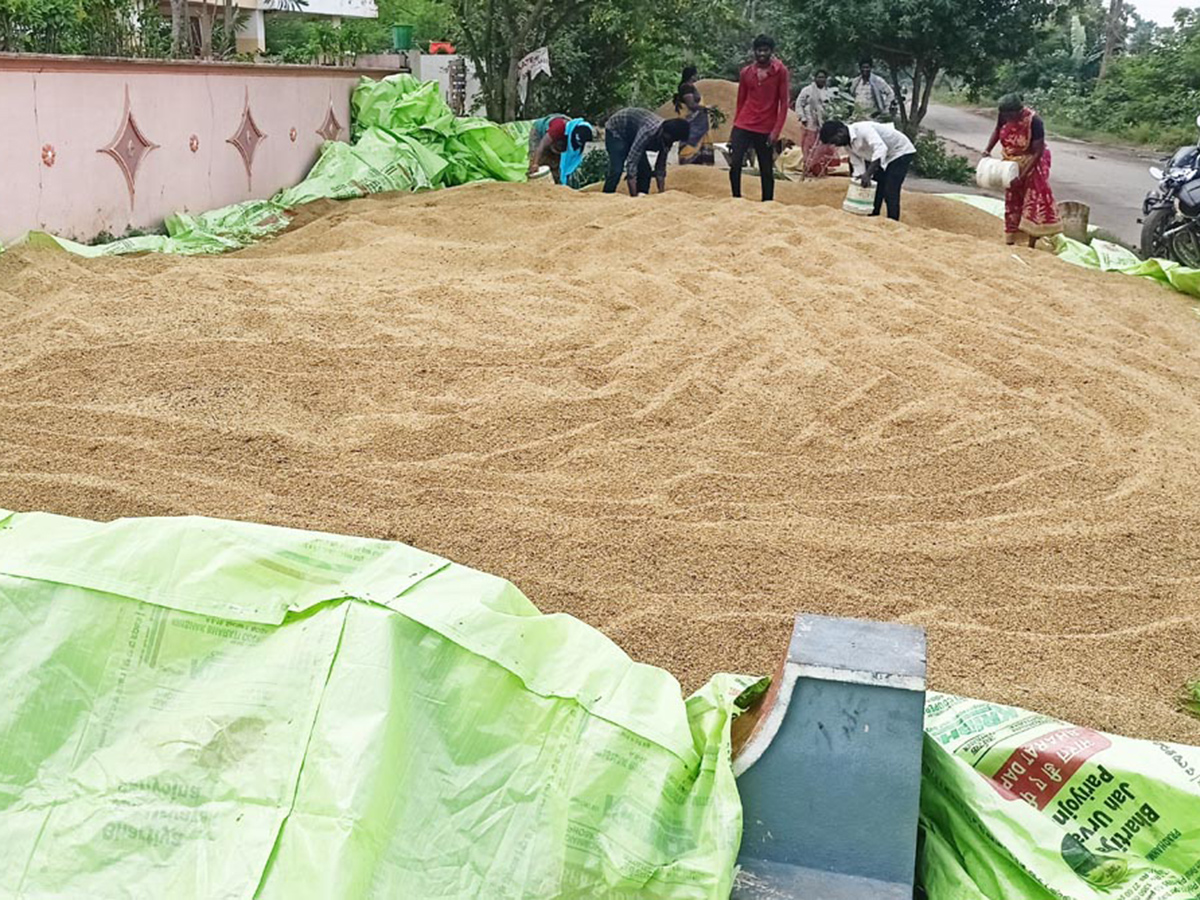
(218, 36)
(1114, 34)
(625, 53)
(83, 27)
(497, 34)
(920, 41)
(1143, 35)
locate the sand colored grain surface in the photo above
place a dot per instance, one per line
(920, 210)
(681, 419)
(714, 92)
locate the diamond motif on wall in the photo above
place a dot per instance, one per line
(248, 136)
(331, 128)
(129, 146)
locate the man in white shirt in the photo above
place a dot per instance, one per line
(879, 153)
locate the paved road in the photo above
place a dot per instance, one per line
(1112, 181)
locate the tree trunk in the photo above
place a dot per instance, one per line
(924, 77)
(930, 79)
(914, 102)
(207, 14)
(491, 81)
(894, 72)
(179, 24)
(494, 104)
(510, 90)
(1112, 34)
(229, 26)
(518, 47)
(912, 116)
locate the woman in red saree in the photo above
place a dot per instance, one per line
(1029, 205)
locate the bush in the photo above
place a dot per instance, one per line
(97, 27)
(1148, 96)
(593, 168)
(305, 39)
(933, 161)
(107, 237)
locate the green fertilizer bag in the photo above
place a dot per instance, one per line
(196, 709)
(1020, 806)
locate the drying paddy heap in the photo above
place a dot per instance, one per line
(680, 418)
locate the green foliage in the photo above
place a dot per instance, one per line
(933, 161)
(1148, 96)
(917, 42)
(605, 53)
(623, 53)
(107, 237)
(286, 38)
(314, 39)
(300, 38)
(590, 74)
(1189, 700)
(222, 41)
(96, 27)
(593, 168)
(432, 20)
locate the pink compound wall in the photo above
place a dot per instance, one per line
(91, 145)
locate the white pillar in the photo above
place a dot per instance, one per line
(252, 37)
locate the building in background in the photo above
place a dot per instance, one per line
(251, 36)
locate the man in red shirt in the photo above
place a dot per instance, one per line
(764, 95)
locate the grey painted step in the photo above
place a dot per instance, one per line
(831, 778)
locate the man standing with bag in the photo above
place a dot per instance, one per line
(878, 152)
(764, 94)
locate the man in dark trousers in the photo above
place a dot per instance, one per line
(878, 152)
(628, 134)
(764, 95)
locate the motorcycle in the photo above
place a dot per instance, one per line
(1171, 212)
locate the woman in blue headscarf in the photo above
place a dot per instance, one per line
(558, 142)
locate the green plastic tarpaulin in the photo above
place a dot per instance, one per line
(406, 138)
(194, 708)
(1103, 255)
(1017, 805)
(473, 149)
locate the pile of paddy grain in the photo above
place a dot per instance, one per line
(680, 418)
(722, 95)
(920, 210)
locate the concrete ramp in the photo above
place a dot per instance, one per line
(829, 766)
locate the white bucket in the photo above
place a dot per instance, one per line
(860, 201)
(542, 172)
(996, 174)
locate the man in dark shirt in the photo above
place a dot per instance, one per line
(764, 94)
(628, 134)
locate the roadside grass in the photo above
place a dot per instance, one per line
(1142, 137)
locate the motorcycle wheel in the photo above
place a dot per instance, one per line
(1153, 244)
(1185, 248)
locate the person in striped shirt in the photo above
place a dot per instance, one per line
(628, 134)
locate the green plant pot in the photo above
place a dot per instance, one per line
(402, 37)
